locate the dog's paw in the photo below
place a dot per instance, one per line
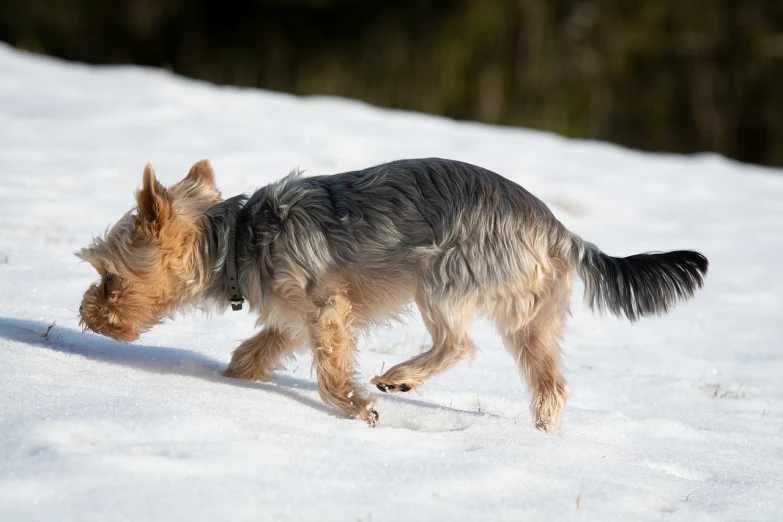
(371, 417)
(386, 386)
(546, 426)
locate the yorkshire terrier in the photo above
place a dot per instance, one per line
(318, 258)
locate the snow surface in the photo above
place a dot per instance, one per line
(678, 418)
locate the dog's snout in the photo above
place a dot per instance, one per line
(81, 308)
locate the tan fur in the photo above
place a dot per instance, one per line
(448, 324)
(151, 254)
(537, 353)
(532, 337)
(259, 357)
(333, 342)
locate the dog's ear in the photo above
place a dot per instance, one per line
(201, 174)
(199, 184)
(89, 255)
(153, 199)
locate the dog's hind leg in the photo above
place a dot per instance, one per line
(535, 346)
(447, 321)
(333, 343)
(258, 357)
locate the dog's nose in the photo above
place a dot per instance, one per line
(81, 307)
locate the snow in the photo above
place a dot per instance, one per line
(676, 418)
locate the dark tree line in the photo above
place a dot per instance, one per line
(664, 75)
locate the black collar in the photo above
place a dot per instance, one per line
(236, 298)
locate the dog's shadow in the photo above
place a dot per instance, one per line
(165, 360)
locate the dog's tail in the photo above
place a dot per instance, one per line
(638, 285)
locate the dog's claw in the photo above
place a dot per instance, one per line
(374, 418)
(392, 387)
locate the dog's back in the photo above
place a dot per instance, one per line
(395, 212)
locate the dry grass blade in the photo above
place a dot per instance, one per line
(45, 335)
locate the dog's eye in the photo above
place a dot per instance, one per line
(109, 277)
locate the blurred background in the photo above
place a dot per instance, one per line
(660, 75)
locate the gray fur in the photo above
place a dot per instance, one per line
(453, 226)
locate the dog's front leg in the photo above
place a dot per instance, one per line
(333, 342)
(258, 357)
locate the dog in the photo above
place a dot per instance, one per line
(320, 258)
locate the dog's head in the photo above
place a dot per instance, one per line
(147, 262)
